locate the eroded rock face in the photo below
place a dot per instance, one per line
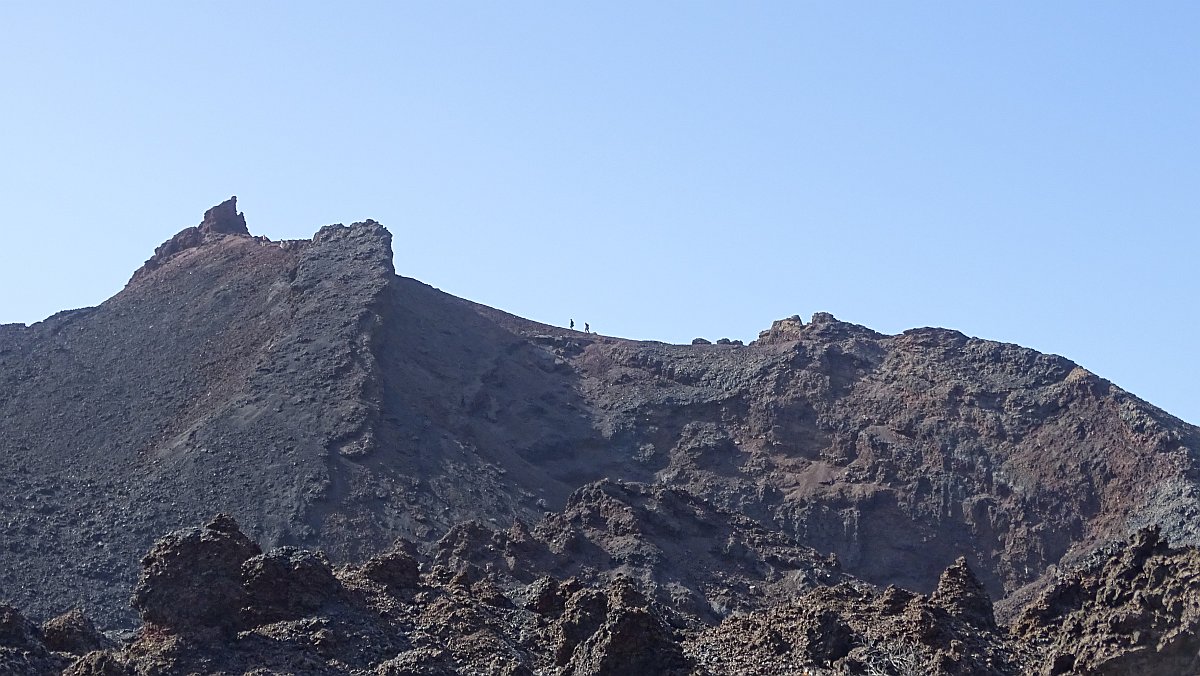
(1136, 611)
(224, 219)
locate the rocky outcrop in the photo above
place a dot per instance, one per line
(695, 562)
(1134, 611)
(224, 219)
(218, 221)
(781, 331)
(73, 632)
(285, 584)
(395, 569)
(613, 634)
(21, 648)
(852, 628)
(192, 579)
(961, 594)
(296, 613)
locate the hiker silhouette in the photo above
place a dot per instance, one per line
(572, 324)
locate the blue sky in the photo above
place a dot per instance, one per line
(1025, 172)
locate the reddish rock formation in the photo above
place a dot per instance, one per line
(220, 220)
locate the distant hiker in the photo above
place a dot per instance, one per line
(572, 324)
(587, 328)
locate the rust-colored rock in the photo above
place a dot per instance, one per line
(73, 632)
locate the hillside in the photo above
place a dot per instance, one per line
(325, 402)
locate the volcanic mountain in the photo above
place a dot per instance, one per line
(326, 402)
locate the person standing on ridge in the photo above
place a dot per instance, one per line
(587, 328)
(572, 324)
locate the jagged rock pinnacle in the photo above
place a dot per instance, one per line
(963, 596)
(224, 219)
(220, 220)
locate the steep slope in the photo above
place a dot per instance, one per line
(221, 375)
(326, 402)
(901, 453)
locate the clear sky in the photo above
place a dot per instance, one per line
(1022, 171)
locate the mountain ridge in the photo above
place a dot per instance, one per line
(327, 402)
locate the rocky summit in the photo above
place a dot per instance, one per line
(297, 461)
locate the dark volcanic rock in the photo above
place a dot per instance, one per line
(617, 636)
(16, 631)
(192, 579)
(395, 569)
(99, 664)
(74, 633)
(960, 593)
(694, 561)
(286, 583)
(856, 630)
(21, 648)
(1132, 610)
(1136, 611)
(224, 219)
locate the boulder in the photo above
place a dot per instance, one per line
(285, 584)
(395, 569)
(191, 580)
(73, 632)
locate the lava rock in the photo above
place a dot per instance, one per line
(99, 663)
(630, 640)
(192, 579)
(962, 595)
(16, 631)
(286, 583)
(21, 648)
(73, 632)
(394, 569)
(224, 219)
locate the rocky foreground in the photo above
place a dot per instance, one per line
(212, 602)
